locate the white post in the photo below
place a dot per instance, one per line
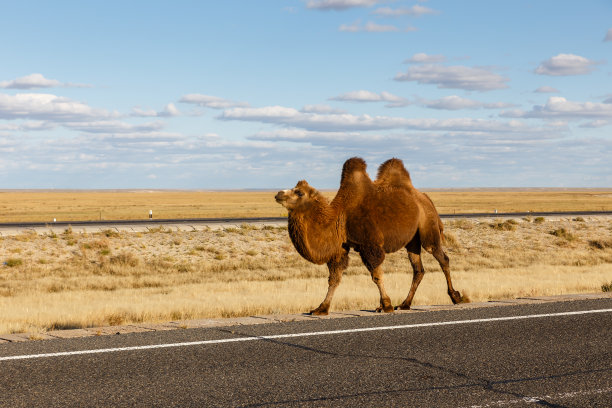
(150, 214)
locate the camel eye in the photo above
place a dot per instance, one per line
(299, 193)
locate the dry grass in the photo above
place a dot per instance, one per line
(472, 201)
(71, 280)
(44, 206)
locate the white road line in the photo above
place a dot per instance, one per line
(545, 398)
(294, 335)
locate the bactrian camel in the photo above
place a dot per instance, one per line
(372, 217)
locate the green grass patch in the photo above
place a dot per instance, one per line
(13, 262)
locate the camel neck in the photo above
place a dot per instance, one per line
(317, 233)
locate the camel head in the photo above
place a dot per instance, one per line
(298, 198)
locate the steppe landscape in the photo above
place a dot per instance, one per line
(73, 279)
(78, 205)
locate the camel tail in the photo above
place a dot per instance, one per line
(441, 226)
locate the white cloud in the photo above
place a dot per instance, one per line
(137, 111)
(340, 4)
(608, 36)
(293, 118)
(30, 82)
(47, 107)
(457, 77)
(169, 111)
(34, 81)
(326, 139)
(394, 101)
(302, 136)
(565, 64)
(560, 108)
(209, 101)
(359, 96)
(113, 126)
(454, 102)
(595, 124)
(422, 58)
(415, 11)
(27, 126)
(145, 143)
(546, 89)
(371, 27)
(321, 109)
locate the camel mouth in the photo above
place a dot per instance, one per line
(280, 197)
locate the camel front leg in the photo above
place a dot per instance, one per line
(385, 301)
(336, 268)
(323, 308)
(373, 257)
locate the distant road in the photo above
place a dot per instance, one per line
(269, 220)
(555, 354)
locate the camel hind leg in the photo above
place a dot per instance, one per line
(336, 268)
(431, 240)
(432, 244)
(443, 260)
(414, 255)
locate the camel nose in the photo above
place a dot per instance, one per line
(279, 196)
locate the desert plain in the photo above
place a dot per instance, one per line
(53, 280)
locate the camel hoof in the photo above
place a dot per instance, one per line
(319, 312)
(386, 309)
(456, 297)
(403, 307)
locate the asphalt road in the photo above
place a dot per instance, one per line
(537, 354)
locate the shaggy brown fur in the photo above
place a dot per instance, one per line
(374, 218)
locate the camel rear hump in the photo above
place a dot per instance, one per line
(393, 173)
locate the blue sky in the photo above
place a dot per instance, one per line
(260, 94)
